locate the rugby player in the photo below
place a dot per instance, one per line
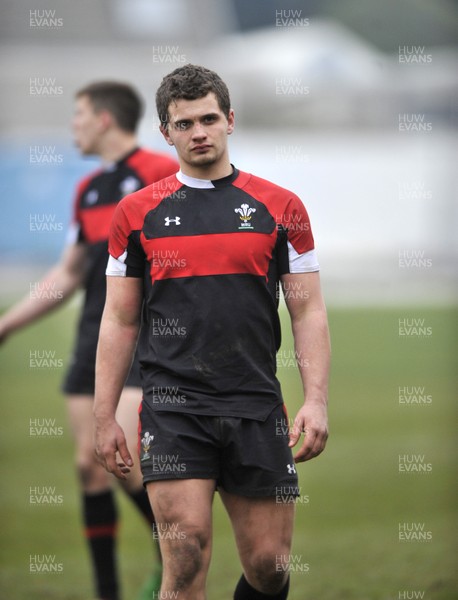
(104, 124)
(210, 333)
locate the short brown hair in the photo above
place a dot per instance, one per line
(189, 83)
(119, 99)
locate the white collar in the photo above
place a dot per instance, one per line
(193, 181)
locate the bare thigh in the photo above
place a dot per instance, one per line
(93, 477)
(263, 531)
(183, 511)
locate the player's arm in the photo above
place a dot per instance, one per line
(117, 339)
(307, 310)
(62, 280)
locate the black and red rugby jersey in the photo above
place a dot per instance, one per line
(215, 251)
(96, 199)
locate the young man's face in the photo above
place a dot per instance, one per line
(198, 129)
(87, 126)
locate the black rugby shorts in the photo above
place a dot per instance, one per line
(244, 456)
(80, 377)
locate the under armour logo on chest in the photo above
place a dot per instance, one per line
(168, 220)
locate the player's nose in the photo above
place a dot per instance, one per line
(198, 131)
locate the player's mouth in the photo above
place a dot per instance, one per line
(201, 148)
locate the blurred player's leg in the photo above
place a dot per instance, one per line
(184, 527)
(263, 531)
(127, 417)
(98, 506)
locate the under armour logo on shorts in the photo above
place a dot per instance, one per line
(168, 220)
(291, 469)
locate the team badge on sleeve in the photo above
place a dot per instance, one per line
(129, 184)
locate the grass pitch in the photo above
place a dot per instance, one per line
(367, 528)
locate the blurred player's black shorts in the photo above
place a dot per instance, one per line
(244, 456)
(80, 378)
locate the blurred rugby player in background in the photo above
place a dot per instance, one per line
(104, 124)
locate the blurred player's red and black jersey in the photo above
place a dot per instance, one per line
(97, 197)
(215, 251)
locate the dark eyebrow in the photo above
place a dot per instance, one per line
(184, 120)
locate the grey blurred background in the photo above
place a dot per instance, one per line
(352, 105)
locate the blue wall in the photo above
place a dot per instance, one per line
(37, 182)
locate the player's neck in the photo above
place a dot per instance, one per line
(210, 172)
(117, 147)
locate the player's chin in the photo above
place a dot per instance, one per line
(90, 151)
(86, 148)
(203, 158)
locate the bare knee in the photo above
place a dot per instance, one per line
(183, 528)
(91, 475)
(268, 570)
(185, 557)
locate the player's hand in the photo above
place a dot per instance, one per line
(111, 449)
(312, 421)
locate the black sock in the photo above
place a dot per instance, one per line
(100, 520)
(141, 501)
(244, 591)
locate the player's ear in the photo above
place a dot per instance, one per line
(164, 129)
(106, 119)
(230, 122)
